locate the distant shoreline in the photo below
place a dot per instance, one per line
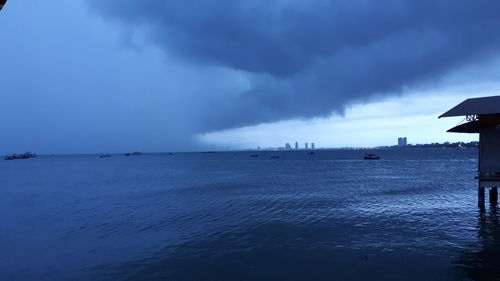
(458, 145)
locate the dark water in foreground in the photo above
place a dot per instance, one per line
(329, 216)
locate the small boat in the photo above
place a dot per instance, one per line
(371, 157)
(133, 154)
(26, 155)
(311, 153)
(104, 155)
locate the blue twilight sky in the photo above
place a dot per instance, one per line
(89, 76)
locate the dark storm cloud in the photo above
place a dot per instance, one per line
(309, 58)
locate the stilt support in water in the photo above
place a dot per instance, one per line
(493, 195)
(480, 196)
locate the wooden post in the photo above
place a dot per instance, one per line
(493, 195)
(480, 196)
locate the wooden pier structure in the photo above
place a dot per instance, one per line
(483, 118)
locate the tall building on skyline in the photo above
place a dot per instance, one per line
(312, 145)
(307, 146)
(402, 141)
(296, 145)
(288, 146)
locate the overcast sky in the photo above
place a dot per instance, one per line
(87, 76)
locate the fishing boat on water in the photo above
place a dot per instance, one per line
(26, 155)
(371, 157)
(133, 154)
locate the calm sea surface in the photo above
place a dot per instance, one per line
(412, 215)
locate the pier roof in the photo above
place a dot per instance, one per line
(469, 127)
(475, 106)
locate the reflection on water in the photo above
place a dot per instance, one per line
(484, 264)
(279, 252)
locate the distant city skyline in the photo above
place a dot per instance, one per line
(446, 144)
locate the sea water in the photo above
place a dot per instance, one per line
(286, 215)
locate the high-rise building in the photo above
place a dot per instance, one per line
(296, 145)
(402, 141)
(288, 146)
(307, 145)
(312, 145)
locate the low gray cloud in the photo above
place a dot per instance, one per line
(310, 58)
